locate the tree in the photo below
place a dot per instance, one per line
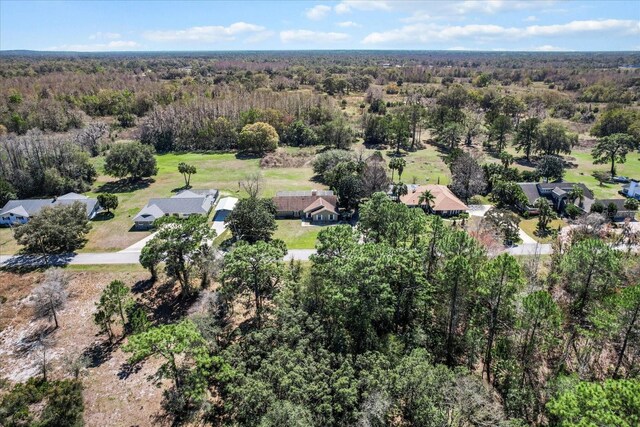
(255, 270)
(89, 137)
(550, 168)
(501, 279)
(631, 204)
(374, 178)
(610, 403)
(506, 221)
(508, 194)
(506, 159)
(527, 136)
(186, 358)
(428, 199)
(397, 163)
(545, 214)
(625, 307)
(178, 243)
(399, 131)
(337, 134)
(108, 201)
(591, 270)
(601, 176)
(467, 177)
(151, 257)
(613, 148)
(576, 193)
(450, 135)
(51, 295)
(554, 139)
(349, 189)
(7, 192)
(299, 134)
(131, 159)
(499, 132)
(252, 219)
(258, 138)
(56, 229)
(186, 171)
(400, 189)
(614, 120)
(114, 301)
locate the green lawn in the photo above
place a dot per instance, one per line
(530, 225)
(295, 235)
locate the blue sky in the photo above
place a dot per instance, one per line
(542, 25)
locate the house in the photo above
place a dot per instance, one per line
(314, 205)
(555, 192)
(444, 203)
(632, 190)
(19, 211)
(182, 205)
(622, 212)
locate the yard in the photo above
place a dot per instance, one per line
(530, 226)
(295, 235)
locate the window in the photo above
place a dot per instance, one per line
(331, 217)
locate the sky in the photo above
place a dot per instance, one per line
(490, 25)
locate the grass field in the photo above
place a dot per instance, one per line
(529, 226)
(295, 235)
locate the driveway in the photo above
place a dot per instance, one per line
(479, 210)
(218, 222)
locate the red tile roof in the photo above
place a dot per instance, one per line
(445, 200)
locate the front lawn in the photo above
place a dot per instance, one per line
(295, 235)
(530, 227)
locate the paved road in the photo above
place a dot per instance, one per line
(106, 258)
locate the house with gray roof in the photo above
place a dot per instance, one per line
(19, 211)
(557, 193)
(182, 205)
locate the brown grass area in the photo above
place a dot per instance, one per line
(111, 395)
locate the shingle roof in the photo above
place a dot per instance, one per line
(444, 199)
(319, 204)
(530, 189)
(29, 207)
(295, 201)
(187, 202)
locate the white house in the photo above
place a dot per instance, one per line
(19, 211)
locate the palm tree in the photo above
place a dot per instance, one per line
(400, 190)
(398, 164)
(577, 193)
(427, 198)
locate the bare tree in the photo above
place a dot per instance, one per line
(76, 364)
(467, 177)
(51, 295)
(42, 345)
(89, 137)
(252, 184)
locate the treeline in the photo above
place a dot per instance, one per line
(38, 164)
(50, 93)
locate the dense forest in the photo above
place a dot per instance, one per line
(405, 320)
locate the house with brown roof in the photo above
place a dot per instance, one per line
(315, 205)
(444, 203)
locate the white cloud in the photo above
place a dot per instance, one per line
(101, 36)
(426, 33)
(97, 47)
(348, 24)
(206, 34)
(318, 12)
(347, 6)
(307, 36)
(530, 18)
(548, 48)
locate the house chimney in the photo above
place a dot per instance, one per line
(314, 192)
